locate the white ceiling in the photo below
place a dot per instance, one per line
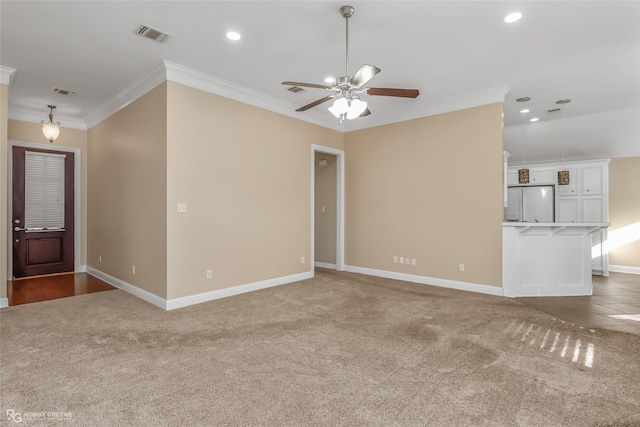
(452, 51)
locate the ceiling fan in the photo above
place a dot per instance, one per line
(347, 89)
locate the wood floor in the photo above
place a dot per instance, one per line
(44, 288)
(615, 304)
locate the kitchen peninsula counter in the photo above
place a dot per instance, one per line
(547, 259)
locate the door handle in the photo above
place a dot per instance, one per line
(19, 229)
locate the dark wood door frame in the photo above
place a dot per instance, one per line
(78, 267)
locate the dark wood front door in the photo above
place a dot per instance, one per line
(42, 225)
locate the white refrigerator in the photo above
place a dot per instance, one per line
(533, 203)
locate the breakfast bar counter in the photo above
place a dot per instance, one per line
(547, 259)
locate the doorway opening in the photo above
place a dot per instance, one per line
(327, 208)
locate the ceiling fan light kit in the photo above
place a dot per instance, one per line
(348, 104)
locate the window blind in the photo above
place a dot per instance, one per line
(44, 190)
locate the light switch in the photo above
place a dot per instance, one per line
(324, 209)
(182, 208)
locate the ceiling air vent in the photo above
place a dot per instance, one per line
(296, 89)
(62, 91)
(152, 33)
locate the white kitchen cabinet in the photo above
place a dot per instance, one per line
(584, 200)
(541, 176)
(570, 189)
(593, 209)
(592, 181)
(567, 209)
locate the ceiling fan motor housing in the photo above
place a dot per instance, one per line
(342, 82)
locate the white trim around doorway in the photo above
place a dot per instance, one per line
(339, 266)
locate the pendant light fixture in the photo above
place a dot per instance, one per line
(523, 174)
(50, 130)
(563, 175)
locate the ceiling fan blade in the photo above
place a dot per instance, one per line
(383, 91)
(363, 75)
(314, 103)
(313, 85)
(365, 113)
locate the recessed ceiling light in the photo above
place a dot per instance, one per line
(534, 119)
(524, 111)
(329, 80)
(512, 17)
(232, 35)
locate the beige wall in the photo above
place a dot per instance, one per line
(245, 175)
(71, 138)
(325, 196)
(430, 189)
(624, 208)
(127, 164)
(3, 188)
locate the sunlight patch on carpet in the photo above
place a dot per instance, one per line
(563, 345)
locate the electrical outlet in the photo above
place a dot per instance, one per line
(413, 261)
(99, 258)
(395, 259)
(209, 274)
(401, 260)
(301, 260)
(461, 267)
(133, 269)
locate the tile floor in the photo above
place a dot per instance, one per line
(615, 304)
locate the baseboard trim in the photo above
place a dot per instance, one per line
(235, 290)
(624, 269)
(424, 280)
(128, 287)
(182, 302)
(325, 265)
(81, 269)
(4, 302)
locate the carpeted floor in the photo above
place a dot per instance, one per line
(338, 350)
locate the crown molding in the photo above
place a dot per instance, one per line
(133, 91)
(34, 116)
(170, 71)
(6, 74)
(198, 80)
(447, 105)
